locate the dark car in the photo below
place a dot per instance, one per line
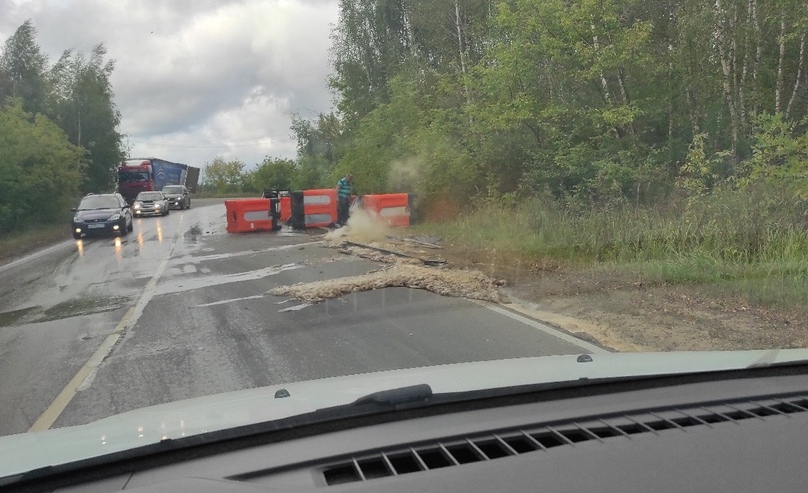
(178, 196)
(150, 204)
(101, 214)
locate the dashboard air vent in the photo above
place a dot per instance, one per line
(542, 437)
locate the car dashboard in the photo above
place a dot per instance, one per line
(736, 434)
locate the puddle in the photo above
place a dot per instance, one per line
(67, 309)
(83, 306)
(8, 319)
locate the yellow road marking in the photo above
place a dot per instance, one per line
(59, 404)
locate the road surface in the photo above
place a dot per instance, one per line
(179, 309)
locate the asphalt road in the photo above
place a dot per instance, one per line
(180, 309)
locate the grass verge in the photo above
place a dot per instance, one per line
(20, 243)
(734, 243)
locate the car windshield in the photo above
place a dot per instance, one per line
(371, 186)
(99, 202)
(150, 196)
(132, 176)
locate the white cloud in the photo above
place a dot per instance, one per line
(193, 75)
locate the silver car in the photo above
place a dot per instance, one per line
(150, 204)
(178, 196)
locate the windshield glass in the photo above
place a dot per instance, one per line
(99, 202)
(132, 176)
(377, 186)
(149, 196)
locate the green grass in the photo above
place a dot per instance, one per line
(744, 243)
(20, 243)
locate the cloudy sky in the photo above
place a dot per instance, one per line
(196, 79)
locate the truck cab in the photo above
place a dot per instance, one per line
(135, 176)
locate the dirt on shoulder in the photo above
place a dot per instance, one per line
(626, 314)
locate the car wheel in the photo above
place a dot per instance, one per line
(131, 226)
(189, 205)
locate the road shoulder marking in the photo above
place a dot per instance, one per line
(52, 413)
(60, 403)
(564, 336)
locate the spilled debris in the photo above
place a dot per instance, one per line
(407, 266)
(445, 282)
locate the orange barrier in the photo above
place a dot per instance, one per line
(286, 209)
(393, 208)
(319, 208)
(247, 215)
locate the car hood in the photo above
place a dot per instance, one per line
(173, 195)
(29, 451)
(91, 214)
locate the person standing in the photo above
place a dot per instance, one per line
(343, 199)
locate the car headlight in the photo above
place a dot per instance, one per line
(156, 206)
(114, 217)
(136, 206)
(76, 219)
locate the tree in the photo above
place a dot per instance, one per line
(272, 174)
(23, 70)
(40, 170)
(224, 176)
(318, 149)
(83, 100)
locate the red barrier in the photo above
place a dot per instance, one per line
(393, 208)
(320, 207)
(247, 215)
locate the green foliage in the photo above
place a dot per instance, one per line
(75, 93)
(22, 70)
(223, 177)
(83, 101)
(40, 171)
(271, 174)
(780, 156)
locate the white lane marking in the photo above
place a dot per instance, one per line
(295, 308)
(232, 300)
(192, 283)
(57, 407)
(586, 346)
(222, 256)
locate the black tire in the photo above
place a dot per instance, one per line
(123, 229)
(131, 226)
(189, 205)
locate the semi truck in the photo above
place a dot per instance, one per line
(137, 175)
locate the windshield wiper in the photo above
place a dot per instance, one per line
(395, 397)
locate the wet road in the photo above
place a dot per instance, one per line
(179, 309)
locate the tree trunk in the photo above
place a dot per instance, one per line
(461, 50)
(778, 90)
(726, 68)
(797, 79)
